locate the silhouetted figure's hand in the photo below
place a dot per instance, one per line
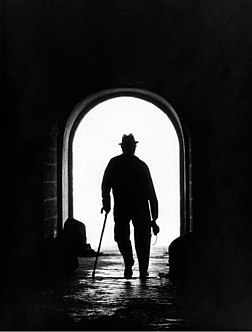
(106, 209)
(155, 227)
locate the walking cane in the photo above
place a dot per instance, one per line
(98, 250)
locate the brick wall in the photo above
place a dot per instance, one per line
(50, 221)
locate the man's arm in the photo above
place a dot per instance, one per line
(152, 197)
(106, 188)
(153, 202)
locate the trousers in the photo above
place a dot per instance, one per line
(142, 238)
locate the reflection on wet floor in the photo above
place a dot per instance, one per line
(151, 303)
(109, 291)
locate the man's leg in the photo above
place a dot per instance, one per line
(142, 243)
(122, 237)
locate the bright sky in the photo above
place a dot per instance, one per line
(97, 140)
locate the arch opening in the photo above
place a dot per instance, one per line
(91, 140)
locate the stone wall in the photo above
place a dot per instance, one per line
(50, 186)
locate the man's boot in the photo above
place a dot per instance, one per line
(128, 270)
(143, 274)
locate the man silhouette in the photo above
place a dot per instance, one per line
(134, 197)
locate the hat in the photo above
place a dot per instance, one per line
(128, 140)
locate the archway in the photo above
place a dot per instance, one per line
(89, 118)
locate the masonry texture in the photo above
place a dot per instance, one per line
(50, 186)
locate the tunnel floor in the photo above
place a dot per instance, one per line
(108, 302)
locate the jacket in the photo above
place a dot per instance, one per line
(132, 186)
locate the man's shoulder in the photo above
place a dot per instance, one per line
(115, 159)
(141, 164)
(140, 161)
(122, 159)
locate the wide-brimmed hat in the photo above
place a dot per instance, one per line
(128, 140)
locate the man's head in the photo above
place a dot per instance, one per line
(128, 144)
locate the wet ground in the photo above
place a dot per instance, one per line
(107, 302)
